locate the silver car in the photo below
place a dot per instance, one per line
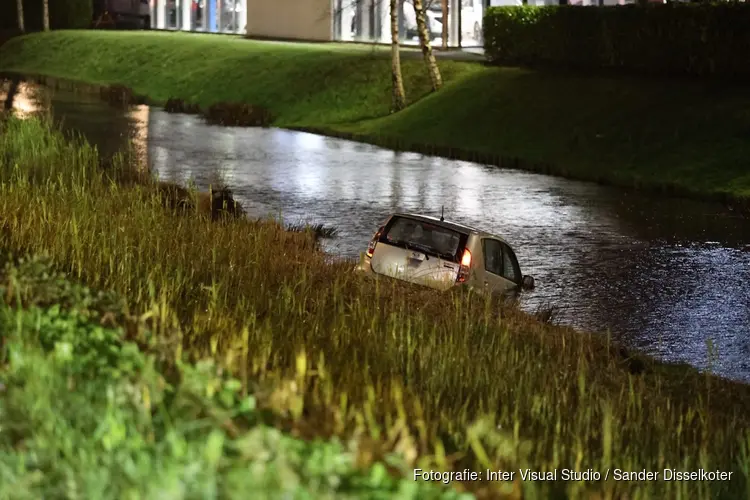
(440, 254)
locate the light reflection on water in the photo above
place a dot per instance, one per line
(666, 276)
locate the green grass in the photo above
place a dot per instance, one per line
(445, 381)
(87, 414)
(684, 136)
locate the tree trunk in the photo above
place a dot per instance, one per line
(19, 9)
(398, 93)
(45, 13)
(424, 43)
(445, 24)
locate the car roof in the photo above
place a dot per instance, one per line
(462, 228)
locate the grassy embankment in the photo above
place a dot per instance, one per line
(446, 381)
(87, 414)
(685, 136)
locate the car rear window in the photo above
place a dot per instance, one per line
(429, 238)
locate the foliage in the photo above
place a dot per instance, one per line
(445, 381)
(704, 39)
(87, 414)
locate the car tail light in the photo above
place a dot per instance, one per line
(373, 242)
(463, 270)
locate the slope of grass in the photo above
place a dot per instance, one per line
(447, 381)
(633, 132)
(87, 414)
(685, 136)
(301, 85)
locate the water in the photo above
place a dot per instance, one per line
(666, 276)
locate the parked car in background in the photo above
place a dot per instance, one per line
(440, 254)
(472, 19)
(471, 22)
(434, 19)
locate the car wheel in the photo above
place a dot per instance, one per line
(477, 33)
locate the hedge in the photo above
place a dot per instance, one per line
(667, 39)
(63, 14)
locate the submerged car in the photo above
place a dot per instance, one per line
(433, 19)
(440, 254)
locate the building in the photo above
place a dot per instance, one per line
(332, 20)
(212, 16)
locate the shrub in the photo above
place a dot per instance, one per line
(177, 105)
(120, 95)
(667, 39)
(237, 114)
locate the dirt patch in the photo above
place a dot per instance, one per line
(238, 115)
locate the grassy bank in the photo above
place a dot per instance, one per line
(686, 137)
(87, 413)
(446, 381)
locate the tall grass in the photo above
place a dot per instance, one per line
(86, 413)
(448, 380)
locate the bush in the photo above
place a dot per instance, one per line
(667, 39)
(63, 14)
(237, 114)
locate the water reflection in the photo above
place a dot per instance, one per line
(666, 276)
(27, 100)
(138, 116)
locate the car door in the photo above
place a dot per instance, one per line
(501, 270)
(511, 268)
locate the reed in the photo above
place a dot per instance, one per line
(448, 380)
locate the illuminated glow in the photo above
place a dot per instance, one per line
(139, 117)
(26, 102)
(466, 259)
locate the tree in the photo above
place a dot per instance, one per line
(19, 11)
(445, 24)
(398, 94)
(424, 43)
(45, 14)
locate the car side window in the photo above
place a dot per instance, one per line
(511, 269)
(493, 256)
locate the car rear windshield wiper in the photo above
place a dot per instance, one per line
(410, 245)
(400, 243)
(424, 248)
